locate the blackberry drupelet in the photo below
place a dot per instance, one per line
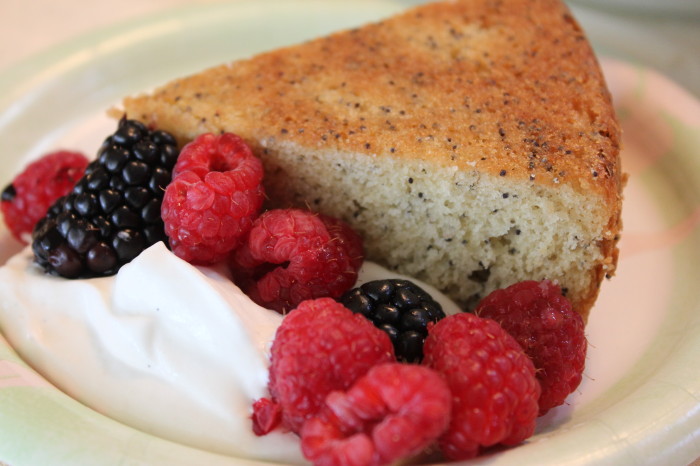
(113, 213)
(400, 308)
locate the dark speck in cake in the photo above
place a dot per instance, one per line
(480, 276)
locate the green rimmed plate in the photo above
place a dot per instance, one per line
(640, 401)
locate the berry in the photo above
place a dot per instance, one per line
(393, 412)
(542, 320)
(400, 308)
(492, 381)
(293, 255)
(266, 416)
(113, 212)
(320, 347)
(347, 240)
(26, 200)
(215, 195)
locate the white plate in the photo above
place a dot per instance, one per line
(656, 7)
(640, 400)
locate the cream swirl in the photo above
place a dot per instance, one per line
(163, 346)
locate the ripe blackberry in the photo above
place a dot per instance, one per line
(113, 212)
(400, 308)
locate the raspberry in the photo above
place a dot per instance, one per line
(215, 195)
(541, 319)
(346, 239)
(293, 255)
(492, 381)
(320, 346)
(26, 200)
(400, 308)
(393, 412)
(113, 212)
(266, 416)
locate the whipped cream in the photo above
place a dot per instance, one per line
(163, 346)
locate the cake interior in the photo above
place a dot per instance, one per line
(465, 232)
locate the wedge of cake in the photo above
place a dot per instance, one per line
(473, 143)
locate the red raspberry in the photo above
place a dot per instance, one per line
(321, 346)
(492, 380)
(348, 240)
(215, 195)
(393, 412)
(27, 199)
(293, 255)
(266, 416)
(541, 319)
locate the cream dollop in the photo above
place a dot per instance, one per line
(163, 346)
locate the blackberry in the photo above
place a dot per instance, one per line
(401, 309)
(113, 212)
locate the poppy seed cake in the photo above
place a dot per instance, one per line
(473, 143)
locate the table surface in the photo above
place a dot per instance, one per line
(666, 37)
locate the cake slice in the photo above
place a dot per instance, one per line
(473, 143)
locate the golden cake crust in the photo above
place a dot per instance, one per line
(506, 88)
(487, 85)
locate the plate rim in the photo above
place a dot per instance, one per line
(50, 57)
